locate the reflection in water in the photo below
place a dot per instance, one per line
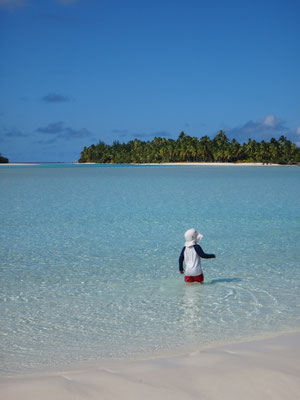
(195, 306)
(191, 311)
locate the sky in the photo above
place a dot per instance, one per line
(73, 72)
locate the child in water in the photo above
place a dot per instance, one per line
(191, 254)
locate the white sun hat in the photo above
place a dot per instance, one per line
(192, 237)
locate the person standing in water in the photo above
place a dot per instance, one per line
(191, 254)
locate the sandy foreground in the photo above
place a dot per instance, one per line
(261, 369)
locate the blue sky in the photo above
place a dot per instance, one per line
(76, 72)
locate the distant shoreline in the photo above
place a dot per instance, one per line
(12, 164)
(217, 164)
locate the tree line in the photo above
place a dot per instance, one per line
(3, 160)
(192, 149)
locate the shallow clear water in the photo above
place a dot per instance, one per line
(89, 259)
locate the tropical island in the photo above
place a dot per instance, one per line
(3, 160)
(192, 149)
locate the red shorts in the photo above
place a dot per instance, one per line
(198, 278)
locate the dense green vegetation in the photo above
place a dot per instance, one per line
(3, 160)
(192, 149)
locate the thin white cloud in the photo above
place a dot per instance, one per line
(59, 131)
(298, 136)
(53, 128)
(270, 126)
(67, 2)
(55, 98)
(271, 121)
(16, 134)
(151, 135)
(120, 131)
(11, 5)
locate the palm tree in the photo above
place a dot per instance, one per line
(275, 150)
(187, 148)
(220, 143)
(206, 148)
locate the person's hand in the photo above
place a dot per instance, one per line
(214, 256)
(182, 272)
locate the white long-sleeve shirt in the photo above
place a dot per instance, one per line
(192, 257)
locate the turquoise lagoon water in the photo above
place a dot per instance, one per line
(89, 259)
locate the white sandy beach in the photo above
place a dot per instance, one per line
(262, 369)
(217, 164)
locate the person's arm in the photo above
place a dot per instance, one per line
(181, 258)
(201, 253)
